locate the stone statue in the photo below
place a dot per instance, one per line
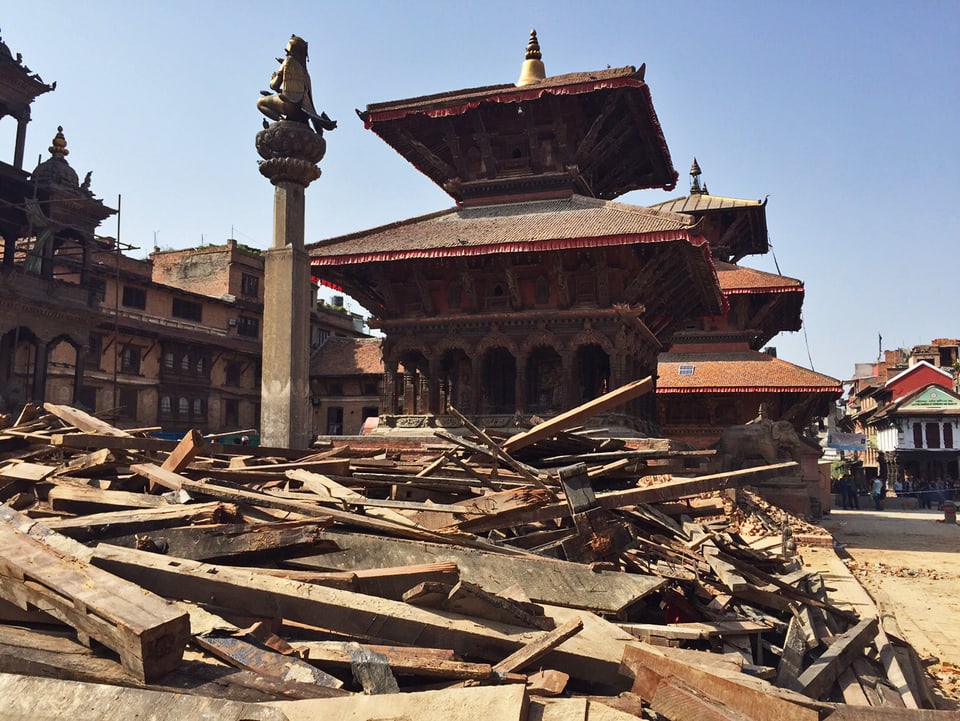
(294, 98)
(768, 441)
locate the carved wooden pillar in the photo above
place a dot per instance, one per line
(570, 384)
(388, 399)
(437, 398)
(520, 389)
(424, 397)
(78, 374)
(409, 394)
(39, 389)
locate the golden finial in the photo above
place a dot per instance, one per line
(532, 70)
(59, 147)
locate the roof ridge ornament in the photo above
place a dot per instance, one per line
(59, 147)
(532, 71)
(695, 187)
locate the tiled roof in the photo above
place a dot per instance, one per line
(347, 357)
(732, 372)
(700, 202)
(454, 98)
(509, 227)
(737, 279)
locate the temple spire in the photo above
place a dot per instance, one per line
(59, 147)
(532, 71)
(695, 187)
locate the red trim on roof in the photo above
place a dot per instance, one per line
(512, 247)
(764, 289)
(507, 96)
(752, 389)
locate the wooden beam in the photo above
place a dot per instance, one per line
(84, 421)
(545, 580)
(47, 699)
(146, 632)
(574, 416)
(231, 540)
(187, 449)
(404, 661)
(753, 698)
(503, 703)
(537, 649)
(819, 676)
(594, 659)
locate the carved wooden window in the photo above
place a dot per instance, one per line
(933, 435)
(130, 359)
(918, 435)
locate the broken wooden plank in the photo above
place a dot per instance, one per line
(752, 697)
(503, 703)
(80, 499)
(25, 471)
(35, 699)
(186, 450)
(545, 580)
(819, 676)
(148, 633)
(237, 541)
(145, 443)
(403, 661)
(175, 481)
(118, 523)
(470, 599)
(656, 493)
(84, 421)
(594, 658)
(537, 649)
(572, 417)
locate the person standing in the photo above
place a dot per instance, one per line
(878, 493)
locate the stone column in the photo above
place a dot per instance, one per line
(291, 151)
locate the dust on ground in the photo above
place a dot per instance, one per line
(910, 560)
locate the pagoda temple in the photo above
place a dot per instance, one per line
(715, 372)
(537, 291)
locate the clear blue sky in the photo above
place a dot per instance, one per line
(845, 113)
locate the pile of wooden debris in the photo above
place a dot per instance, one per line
(555, 574)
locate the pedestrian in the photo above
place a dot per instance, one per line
(878, 493)
(846, 491)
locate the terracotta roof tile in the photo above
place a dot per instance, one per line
(730, 372)
(347, 357)
(459, 97)
(487, 229)
(700, 202)
(737, 279)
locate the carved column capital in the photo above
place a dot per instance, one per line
(290, 152)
